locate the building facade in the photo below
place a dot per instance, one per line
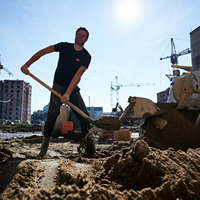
(15, 100)
(95, 112)
(195, 48)
(163, 96)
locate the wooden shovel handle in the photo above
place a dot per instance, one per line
(58, 95)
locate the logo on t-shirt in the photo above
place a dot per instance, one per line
(78, 60)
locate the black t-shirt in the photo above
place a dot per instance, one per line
(69, 62)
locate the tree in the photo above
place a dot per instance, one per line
(38, 116)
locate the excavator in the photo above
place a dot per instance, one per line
(184, 95)
(116, 111)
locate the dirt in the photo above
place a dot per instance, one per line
(108, 123)
(20, 128)
(179, 133)
(159, 165)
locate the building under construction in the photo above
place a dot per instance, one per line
(15, 100)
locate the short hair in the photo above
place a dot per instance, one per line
(83, 29)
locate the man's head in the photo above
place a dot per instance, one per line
(83, 29)
(82, 35)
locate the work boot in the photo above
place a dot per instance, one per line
(45, 144)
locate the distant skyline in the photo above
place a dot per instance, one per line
(127, 40)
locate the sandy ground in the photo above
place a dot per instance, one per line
(143, 168)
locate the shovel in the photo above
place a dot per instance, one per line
(104, 122)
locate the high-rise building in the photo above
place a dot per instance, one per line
(15, 100)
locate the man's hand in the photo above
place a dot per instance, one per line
(65, 98)
(24, 69)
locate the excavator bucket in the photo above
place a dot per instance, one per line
(140, 108)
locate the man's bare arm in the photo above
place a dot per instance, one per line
(74, 82)
(36, 56)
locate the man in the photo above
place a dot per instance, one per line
(73, 61)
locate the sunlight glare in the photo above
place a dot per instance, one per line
(128, 10)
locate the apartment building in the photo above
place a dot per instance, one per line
(15, 100)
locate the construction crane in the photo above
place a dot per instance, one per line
(174, 56)
(2, 67)
(118, 86)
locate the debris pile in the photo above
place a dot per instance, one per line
(179, 133)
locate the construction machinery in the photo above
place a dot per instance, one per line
(184, 96)
(116, 111)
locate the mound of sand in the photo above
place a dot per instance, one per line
(129, 170)
(163, 164)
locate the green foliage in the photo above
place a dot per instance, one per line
(38, 116)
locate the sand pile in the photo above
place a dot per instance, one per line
(133, 171)
(163, 164)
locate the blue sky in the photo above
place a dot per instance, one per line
(127, 39)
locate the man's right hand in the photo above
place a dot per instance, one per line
(24, 69)
(65, 98)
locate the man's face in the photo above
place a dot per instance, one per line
(81, 37)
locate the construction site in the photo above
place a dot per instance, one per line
(161, 162)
